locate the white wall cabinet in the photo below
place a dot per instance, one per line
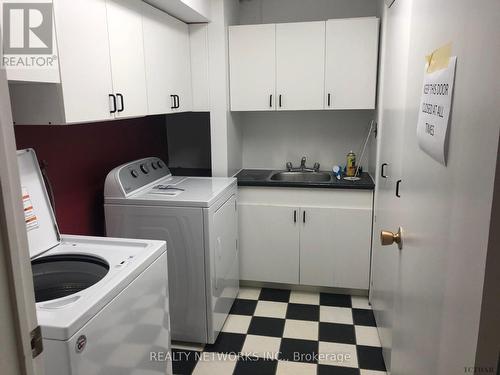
(351, 63)
(106, 50)
(300, 65)
(167, 57)
(127, 57)
(307, 237)
(304, 65)
(86, 82)
(269, 243)
(252, 68)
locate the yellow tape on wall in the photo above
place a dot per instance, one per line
(439, 58)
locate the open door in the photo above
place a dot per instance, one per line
(435, 285)
(21, 340)
(392, 94)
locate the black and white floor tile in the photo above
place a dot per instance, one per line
(271, 331)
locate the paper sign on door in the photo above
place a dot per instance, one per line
(29, 212)
(435, 107)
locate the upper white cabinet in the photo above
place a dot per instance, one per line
(117, 59)
(300, 65)
(351, 63)
(304, 65)
(85, 68)
(167, 57)
(127, 57)
(252, 71)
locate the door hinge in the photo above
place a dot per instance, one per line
(36, 342)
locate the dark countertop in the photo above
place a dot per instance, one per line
(261, 177)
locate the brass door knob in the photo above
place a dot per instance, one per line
(388, 238)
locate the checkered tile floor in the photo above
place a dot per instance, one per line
(271, 331)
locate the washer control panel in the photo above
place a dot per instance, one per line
(142, 172)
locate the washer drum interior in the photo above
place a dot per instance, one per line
(58, 276)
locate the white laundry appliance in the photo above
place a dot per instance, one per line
(101, 303)
(197, 218)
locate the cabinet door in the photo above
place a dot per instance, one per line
(252, 67)
(335, 247)
(180, 73)
(157, 57)
(269, 243)
(351, 63)
(86, 74)
(300, 65)
(127, 56)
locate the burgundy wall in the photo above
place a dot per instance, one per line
(80, 156)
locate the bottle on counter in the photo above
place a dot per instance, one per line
(351, 164)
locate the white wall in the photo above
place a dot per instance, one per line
(226, 135)
(234, 131)
(270, 139)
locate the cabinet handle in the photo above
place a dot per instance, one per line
(122, 105)
(178, 101)
(173, 105)
(382, 170)
(304, 217)
(329, 99)
(398, 183)
(271, 101)
(279, 100)
(294, 216)
(113, 109)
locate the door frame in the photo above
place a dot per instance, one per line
(17, 307)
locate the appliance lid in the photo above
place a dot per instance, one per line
(41, 225)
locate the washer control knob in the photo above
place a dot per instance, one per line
(144, 168)
(160, 164)
(134, 173)
(154, 166)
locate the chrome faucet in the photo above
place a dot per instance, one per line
(302, 168)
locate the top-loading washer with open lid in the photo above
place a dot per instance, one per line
(102, 303)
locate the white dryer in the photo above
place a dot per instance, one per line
(197, 218)
(102, 303)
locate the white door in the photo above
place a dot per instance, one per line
(329, 254)
(445, 213)
(385, 260)
(300, 65)
(17, 310)
(127, 57)
(269, 243)
(252, 67)
(351, 63)
(86, 74)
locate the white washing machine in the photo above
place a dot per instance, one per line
(102, 303)
(197, 218)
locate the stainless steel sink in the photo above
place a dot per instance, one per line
(301, 176)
